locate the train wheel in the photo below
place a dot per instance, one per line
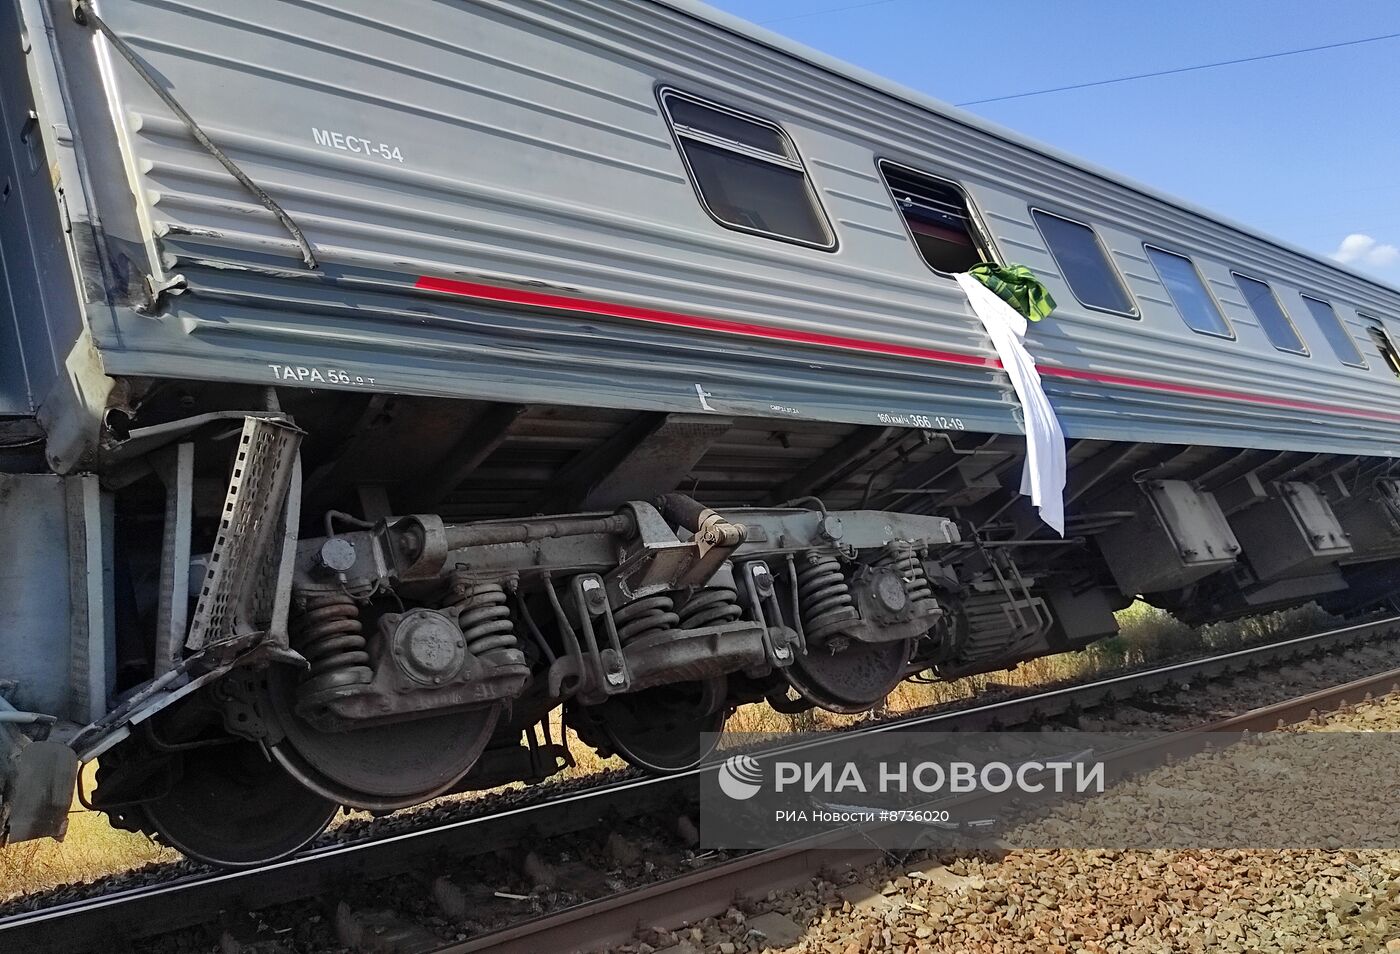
(381, 767)
(231, 807)
(663, 730)
(849, 678)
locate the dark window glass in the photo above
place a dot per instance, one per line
(746, 173)
(1384, 343)
(720, 124)
(1272, 318)
(1334, 332)
(938, 218)
(1084, 263)
(754, 194)
(1188, 292)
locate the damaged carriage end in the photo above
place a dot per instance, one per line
(411, 617)
(240, 602)
(37, 777)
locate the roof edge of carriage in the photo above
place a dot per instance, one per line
(776, 41)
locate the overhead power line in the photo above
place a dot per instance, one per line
(1182, 69)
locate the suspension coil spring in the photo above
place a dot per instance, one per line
(712, 606)
(331, 637)
(645, 617)
(823, 595)
(484, 616)
(901, 557)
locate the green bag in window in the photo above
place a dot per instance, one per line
(1017, 286)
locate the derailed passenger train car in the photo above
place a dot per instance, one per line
(378, 379)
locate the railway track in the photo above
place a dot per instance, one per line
(220, 898)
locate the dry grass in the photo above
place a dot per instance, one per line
(1147, 635)
(93, 849)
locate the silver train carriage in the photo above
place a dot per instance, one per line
(378, 379)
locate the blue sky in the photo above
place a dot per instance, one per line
(1302, 147)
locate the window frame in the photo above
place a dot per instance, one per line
(1229, 333)
(1342, 326)
(980, 234)
(1389, 350)
(1302, 342)
(793, 163)
(1136, 313)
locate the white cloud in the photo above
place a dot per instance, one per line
(1359, 249)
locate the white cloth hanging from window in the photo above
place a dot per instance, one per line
(1043, 478)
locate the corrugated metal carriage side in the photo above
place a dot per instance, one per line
(668, 278)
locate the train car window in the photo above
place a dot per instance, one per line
(939, 218)
(1270, 314)
(1384, 343)
(1187, 290)
(746, 172)
(1334, 332)
(1087, 269)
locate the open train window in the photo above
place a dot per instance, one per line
(1188, 292)
(746, 172)
(1384, 343)
(1335, 333)
(1084, 263)
(939, 219)
(1270, 314)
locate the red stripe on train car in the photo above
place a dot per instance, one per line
(1220, 393)
(519, 296)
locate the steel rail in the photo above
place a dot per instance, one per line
(153, 909)
(683, 900)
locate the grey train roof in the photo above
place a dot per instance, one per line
(519, 226)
